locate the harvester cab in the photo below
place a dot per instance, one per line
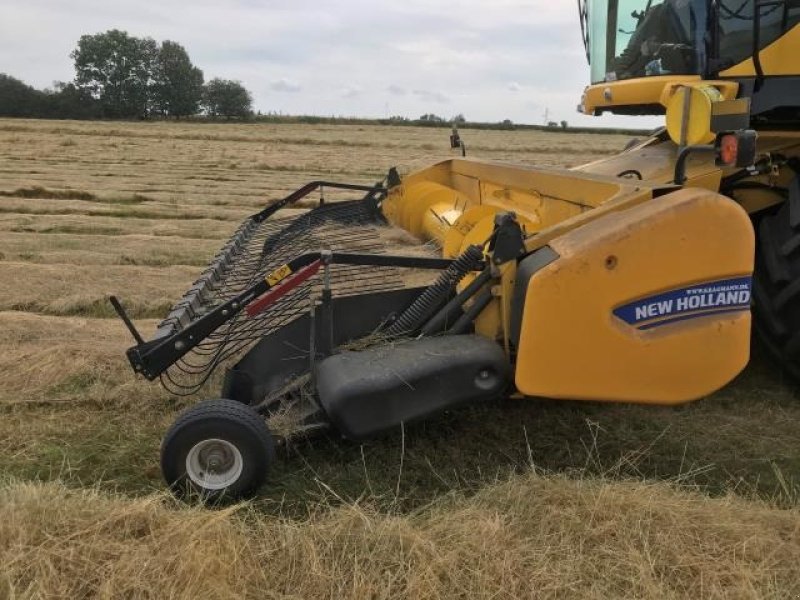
(626, 280)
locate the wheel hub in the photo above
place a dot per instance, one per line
(214, 464)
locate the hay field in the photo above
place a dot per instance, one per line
(136, 209)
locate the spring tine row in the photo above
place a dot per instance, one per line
(255, 250)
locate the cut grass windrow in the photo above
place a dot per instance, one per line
(122, 213)
(38, 192)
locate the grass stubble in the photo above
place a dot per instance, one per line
(513, 499)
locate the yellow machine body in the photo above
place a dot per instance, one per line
(650, 304)
(645, 293)
(616, 243)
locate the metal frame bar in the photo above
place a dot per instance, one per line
(304, 191)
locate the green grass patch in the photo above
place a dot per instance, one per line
(75, 384)
(109, 448)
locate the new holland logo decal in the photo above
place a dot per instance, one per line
(699, 300)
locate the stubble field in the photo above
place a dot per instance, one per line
(521, 498)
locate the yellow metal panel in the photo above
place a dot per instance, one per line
(689, 118)
(427, 205)
(655, 161)
(539, 210)
(573, 346)
(779, 58)
(646, 91)
(468, 186)
(641, 91)
(455, 239)
(726, 90)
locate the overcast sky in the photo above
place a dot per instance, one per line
(490, 60)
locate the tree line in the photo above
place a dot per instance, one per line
(119, 76)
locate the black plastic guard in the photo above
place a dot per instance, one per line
(373, 390)
(285, 353)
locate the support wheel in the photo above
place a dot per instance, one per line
(776, 282)
(217, 449)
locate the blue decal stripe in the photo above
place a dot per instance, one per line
(694, 301)
(693, 316)
(693, 313)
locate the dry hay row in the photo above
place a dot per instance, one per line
(149, 210)
(148, 292)
(210, 229)
(128, 249)
(158, 169)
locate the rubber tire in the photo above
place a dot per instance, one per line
(776, 282)
(231, 421)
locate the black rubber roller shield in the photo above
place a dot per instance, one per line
(367, 392)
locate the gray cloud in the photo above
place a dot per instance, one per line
(396, 90)
(430, 96)
(352, 92)
(285, 85)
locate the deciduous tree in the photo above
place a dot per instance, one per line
(116, 69)
(227, 98)
(18, 99)
(178, 84)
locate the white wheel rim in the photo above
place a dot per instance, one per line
(214, 464)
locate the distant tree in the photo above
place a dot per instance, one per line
(431, 118)
(116, 69)
(459, 119)
(564, 124)
(17, 99)
(177, 84)
(64, 101)
(67, 101)
(552, 124)
(227, 98)
(507, 124)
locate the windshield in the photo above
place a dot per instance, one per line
(640, 38)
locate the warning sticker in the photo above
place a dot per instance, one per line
(278, 275)
(688, 303)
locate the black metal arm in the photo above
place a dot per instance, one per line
(304, 191)
(680, 163)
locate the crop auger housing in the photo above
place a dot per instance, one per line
(630, 279)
